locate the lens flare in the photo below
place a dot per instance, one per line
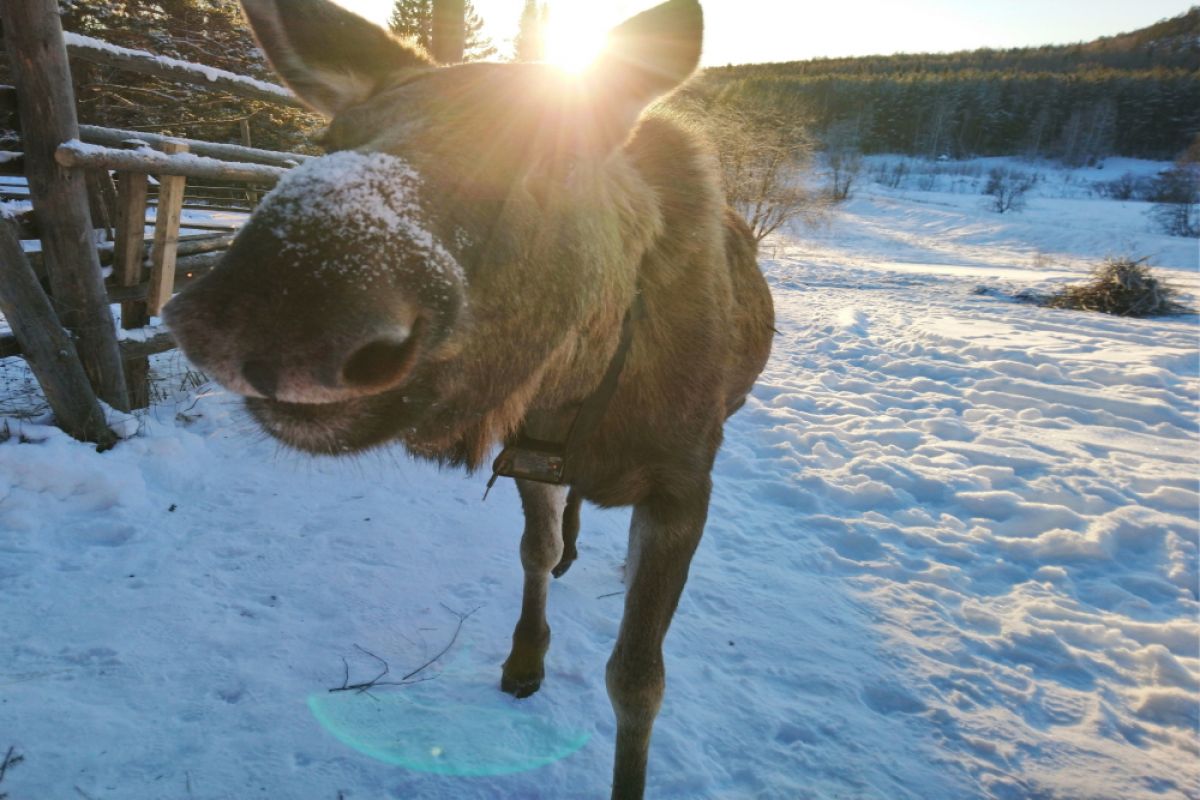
(575, 36)
(471, 730)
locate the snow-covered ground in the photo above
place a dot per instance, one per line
(952, 554)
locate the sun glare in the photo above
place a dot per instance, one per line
(574, 37)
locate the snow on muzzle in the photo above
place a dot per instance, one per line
(333, 290)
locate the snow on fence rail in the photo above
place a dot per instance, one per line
(117, 137)
(189, 165)
(145, 63)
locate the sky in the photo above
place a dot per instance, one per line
(752, 31)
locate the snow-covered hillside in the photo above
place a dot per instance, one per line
(952, 554)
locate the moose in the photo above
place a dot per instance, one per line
(503, 255)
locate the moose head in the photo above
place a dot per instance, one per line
(468, 227)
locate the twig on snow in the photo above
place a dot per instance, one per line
(10, 760)
(365, 686)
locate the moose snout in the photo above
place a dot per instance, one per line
(297, 360)
(382, 362)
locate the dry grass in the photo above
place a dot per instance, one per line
(20, 395)
(1124, 287)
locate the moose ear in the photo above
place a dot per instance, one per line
(646, 57)
(327, 55)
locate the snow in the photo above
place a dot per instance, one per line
(952, 554)
(155, 161)
(211, 74)
(369, 199)
(11, 210)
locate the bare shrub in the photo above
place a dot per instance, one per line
(765, 151)
(1176, 194)
(844, 169)
(892, 175)
(1124, 287)
(1042, 260)
(1007, 188)
(1125, 187)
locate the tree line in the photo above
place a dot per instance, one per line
(1133, 95)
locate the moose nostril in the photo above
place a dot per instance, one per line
(381, 363)
(262, 376)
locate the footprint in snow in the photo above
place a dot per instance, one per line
(891, 700)
(853, 320)
(99, 533)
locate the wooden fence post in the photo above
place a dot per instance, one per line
(37, 54)
(128, 254)
(102, 200)
(47, 348)
(251, 192)
(166, 235)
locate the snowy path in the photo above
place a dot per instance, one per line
(952, 554)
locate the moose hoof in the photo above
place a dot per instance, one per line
(564, 564)
(520, 686)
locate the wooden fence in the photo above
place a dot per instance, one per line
(69, 169)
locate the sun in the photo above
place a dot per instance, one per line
(575, 35)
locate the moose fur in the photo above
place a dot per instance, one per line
(456, 273)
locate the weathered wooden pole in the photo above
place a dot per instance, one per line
(248, 143)
(166, 235)
(88, 156)
(47, 348)
(33, 38)
(127, 271)
(449, 30)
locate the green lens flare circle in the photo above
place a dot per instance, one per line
(415, 729)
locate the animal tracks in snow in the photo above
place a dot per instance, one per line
(1011, 491)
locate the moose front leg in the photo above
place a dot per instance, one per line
(541, 549)
(570, 533)
(663, 536)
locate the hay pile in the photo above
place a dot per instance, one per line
(1123, 287)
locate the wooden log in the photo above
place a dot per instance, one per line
(116, 137)
(48, 348)
(190, 244)
(150, 346)
(210, 226)
(130, 348)
(77, 154)
(102, 201)
(173, 69)
(128, 251)
(33, 39)
(166, 236)
(244, 127)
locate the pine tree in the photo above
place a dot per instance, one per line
(530, 44)
(210, 32)
(476, 46)
(413, 20)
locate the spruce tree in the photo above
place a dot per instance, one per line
(530, 44)
(476, 46)
(413, 20)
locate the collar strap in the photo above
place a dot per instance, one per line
(546, 461)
